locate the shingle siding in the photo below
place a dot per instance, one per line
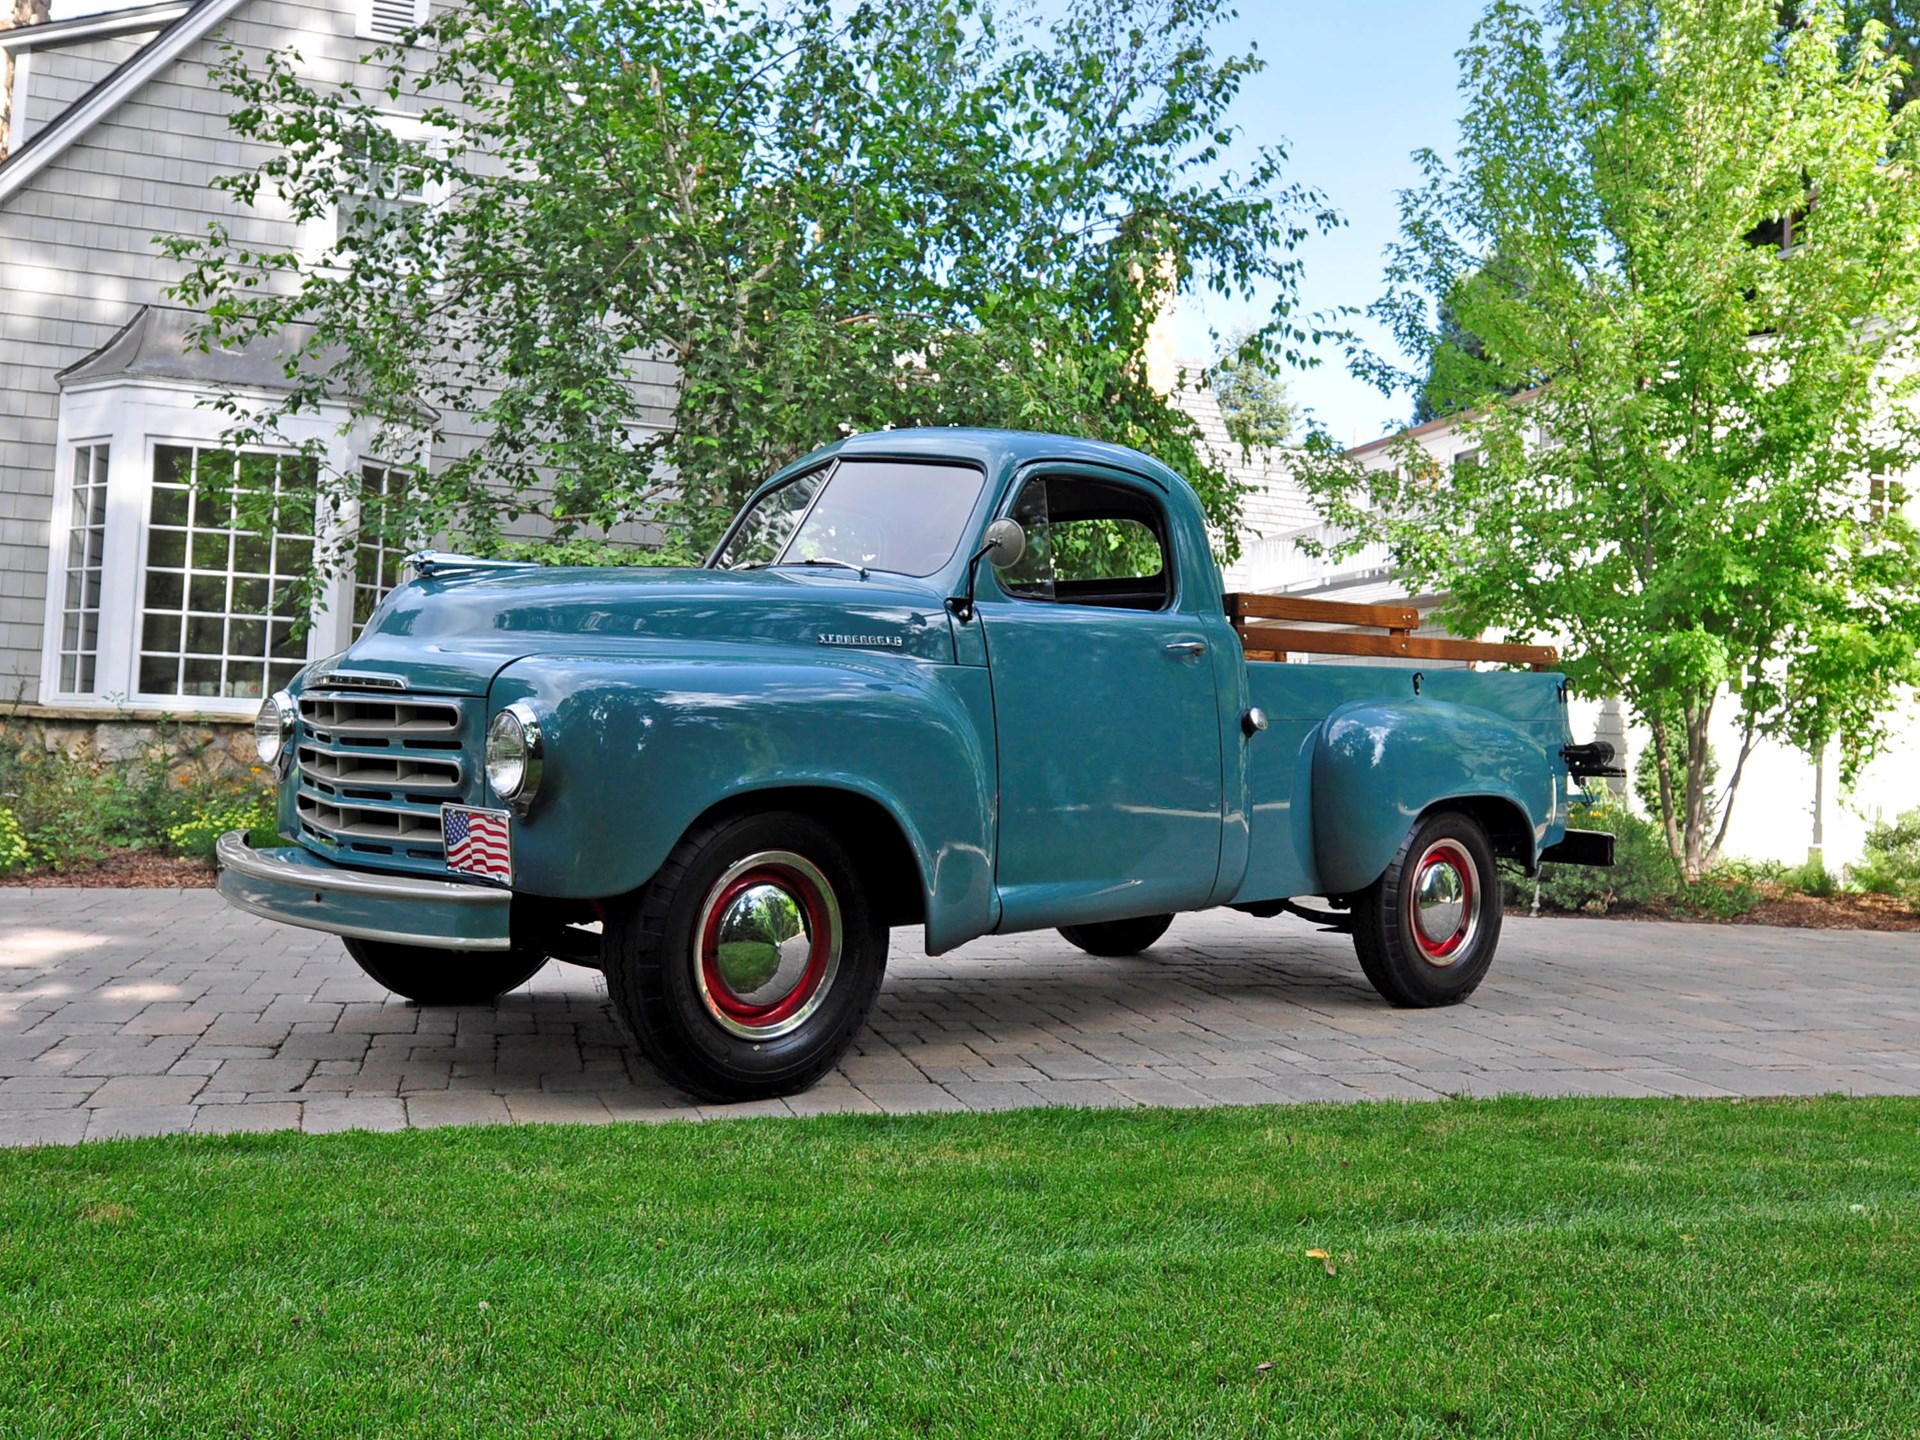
(60, 75)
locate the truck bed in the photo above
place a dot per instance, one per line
(1427, 716)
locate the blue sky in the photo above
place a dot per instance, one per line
(1354, 87)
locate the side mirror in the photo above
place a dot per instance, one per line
(1006, 543)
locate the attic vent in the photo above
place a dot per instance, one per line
(385, 19)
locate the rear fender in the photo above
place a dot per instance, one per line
(1378, 767)
(638, 749)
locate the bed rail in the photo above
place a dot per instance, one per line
(1275, 642)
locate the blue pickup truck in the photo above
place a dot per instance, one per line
(975, 681)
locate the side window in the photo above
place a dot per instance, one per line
(1091, 542)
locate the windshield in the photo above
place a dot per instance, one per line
(893, 515)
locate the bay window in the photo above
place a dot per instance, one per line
(162, 594)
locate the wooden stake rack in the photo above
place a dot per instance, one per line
(1275, 642)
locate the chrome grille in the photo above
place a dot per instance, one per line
(372, 773)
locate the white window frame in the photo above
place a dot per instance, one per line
(320, 235)
(133, 418)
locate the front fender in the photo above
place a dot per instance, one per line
(637, 748)
(1379, 766)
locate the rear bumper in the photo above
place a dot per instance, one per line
(299, 888)
(1580, 847)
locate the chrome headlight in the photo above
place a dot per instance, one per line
(273, 727)
(515, 750)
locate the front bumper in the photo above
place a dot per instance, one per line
(297, 887)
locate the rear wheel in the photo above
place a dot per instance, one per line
(747, 965)
(1426, 930)
(430, 976)
(1117, 937)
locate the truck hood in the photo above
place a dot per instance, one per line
(452, 634)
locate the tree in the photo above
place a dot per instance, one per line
(1254, 404)
(1456, 365)
(827, 218)
(1694, 492)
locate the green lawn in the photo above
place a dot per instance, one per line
(1502, 1268)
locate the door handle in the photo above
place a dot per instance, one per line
(1187, 647)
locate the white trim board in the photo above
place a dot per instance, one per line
(106, 97)
(55, 33)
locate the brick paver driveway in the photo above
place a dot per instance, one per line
(127, 1012)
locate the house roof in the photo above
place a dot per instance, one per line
(191, 21)
(155, 345)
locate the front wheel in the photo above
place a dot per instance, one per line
(1426, 930)
(430, 976)
(746, 966)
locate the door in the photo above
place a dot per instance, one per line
(1105, 710)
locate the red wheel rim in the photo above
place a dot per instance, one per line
(1443, 902)
(768, 945)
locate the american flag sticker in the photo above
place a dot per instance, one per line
(479, 842)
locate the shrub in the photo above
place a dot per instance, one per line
(73, 807)
(1813, 878)
(1642, 874)
(197, 836)
(13, 843)
(1891, 864)
(1724, 894)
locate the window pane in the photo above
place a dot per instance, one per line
(165, 589)
(161, 633)
(888, 515)
(169, 505)
(1105, 550)
(210, 550)
(207, 592)
(252, 554)
(86, 542)
(158, 675)
(1090, 542)
(172, 465)
(247, 637)
(225, 636)
(206, 634)
(765, 529)
(200, 677)
(168, 549)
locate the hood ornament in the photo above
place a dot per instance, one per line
(431, 564)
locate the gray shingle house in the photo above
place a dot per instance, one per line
(122, 592)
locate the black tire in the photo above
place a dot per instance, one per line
(737, 1033)
(430, 976)
(1442, 960)
(1112, 938)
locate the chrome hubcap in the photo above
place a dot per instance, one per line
(1442, 902)
(767, 945)
(763, 944)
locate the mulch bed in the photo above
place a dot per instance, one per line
(126, 870)
(1795, 912)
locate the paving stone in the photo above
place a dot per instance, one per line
(246, 1119)
(324, 1116)
(43, 1127)
(428, 1111)
(130, 1122)
(146, 1091)
(571, 1109)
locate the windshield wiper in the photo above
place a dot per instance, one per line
(859, 570)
